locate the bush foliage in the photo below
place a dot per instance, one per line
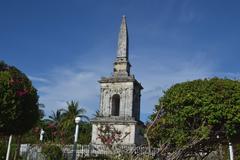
(200, 113)
(52, 152)
(18, 101)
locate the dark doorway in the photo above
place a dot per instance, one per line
(115, 105)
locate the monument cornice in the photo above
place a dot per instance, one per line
(120, 79)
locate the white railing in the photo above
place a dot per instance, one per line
(33, 152)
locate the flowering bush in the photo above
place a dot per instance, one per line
(109, 135)
(18, 101)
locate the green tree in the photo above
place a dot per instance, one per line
(18, 101)
(85, 130)
(196, 116)
(71, 113)
(32, 136)
(68, 120)
(53, 130)
(19, 110)
(56, 117)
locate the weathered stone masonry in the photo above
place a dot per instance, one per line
(120, 96)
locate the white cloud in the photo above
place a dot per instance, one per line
(67, 84)
(76, 80)
(79, 82)
(159, 74)
(38, 79)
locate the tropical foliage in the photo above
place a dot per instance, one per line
(69, 115)
(52, 152)
(18, 101)
(109, 135)
(195, 117)
(59, 127)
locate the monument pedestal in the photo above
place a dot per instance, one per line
(126, 130)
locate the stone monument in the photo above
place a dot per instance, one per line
(120, 99)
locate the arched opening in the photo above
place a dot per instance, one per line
(115, 105)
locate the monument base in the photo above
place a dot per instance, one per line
(117, 130)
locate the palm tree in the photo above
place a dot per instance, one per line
(73, 110)
(53, 128)
(56, 117)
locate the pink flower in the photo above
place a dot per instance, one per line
(51, 125)
(22, 93)
(54, 133)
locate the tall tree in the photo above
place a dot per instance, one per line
(72, 112)
(52, 127)
(195, 117)
(32, 136)
(56, 117)
(69, 115)
(18, 101)
(19, 110)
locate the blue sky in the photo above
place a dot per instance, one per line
(65, 46)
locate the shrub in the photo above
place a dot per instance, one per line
(52, 152)
(19, 109)
(3, 150)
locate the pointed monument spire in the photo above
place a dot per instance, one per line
(122, 51)
(121, 64)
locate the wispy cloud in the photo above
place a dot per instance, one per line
(69, 85)
(38, 79)
(158, 74)
(170, 42)
(77, 84)
(157, 68)
(79, 81)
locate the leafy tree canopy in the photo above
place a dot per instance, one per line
(18, 101)
(60, 126)
(197, 114)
